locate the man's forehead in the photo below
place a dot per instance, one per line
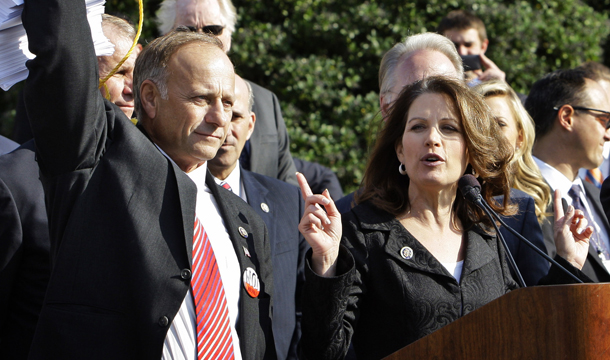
(424, 63)
(198, 13)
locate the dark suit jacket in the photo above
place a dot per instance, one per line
(381, 301)
(7, 145)
(593, 268)
(285, 209)
(532, 266)
(121, 214)
(24, 251)
(269, 143)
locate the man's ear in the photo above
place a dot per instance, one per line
(251, 124)
(565, 117)
(149, 97)
(484, 45)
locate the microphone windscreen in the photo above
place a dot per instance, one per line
(470, 181)
(470, 187)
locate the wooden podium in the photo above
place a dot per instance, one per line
(544, 322)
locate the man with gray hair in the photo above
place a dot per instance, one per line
(151, 259)
(411, 60)
(280, 205)
(268, 150)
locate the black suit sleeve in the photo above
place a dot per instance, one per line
(69, 118)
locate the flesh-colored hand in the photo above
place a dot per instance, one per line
(322, 230)
(571, 233)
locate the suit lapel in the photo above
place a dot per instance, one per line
(188, 200)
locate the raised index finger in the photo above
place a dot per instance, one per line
(557, 204)
(487, 63)
(305, 189)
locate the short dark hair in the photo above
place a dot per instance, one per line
(152, 61)
(595, 71)
(488, 150)
(462, 20)
(555, 89)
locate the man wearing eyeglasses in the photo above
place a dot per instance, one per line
(268, 150)
(571, 113)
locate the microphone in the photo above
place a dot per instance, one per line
(471, 190)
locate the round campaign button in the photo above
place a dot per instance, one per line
(406, 252)
(251, 282)
(265, 207)
(243, 232)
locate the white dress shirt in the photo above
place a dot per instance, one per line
(557, 180)
(234, 181)
(181, 339)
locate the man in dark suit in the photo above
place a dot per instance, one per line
(123, 201)
(281, 207)
(268, 150)
(24, 234)
(571, 116)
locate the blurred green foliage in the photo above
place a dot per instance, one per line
(321, 58)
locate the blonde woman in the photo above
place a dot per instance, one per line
(529, 190)
(518, 127)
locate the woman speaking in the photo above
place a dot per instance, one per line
(414, 255)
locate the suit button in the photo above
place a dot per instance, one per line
(163, 321)
(185, 274)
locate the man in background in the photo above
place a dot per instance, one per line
(280, 205)
(468, 34)
(571, 113)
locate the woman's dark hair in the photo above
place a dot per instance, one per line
(488, 153)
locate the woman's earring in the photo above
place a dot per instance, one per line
(401, 169)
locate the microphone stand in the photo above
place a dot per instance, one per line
(481, 203)
(488, 210)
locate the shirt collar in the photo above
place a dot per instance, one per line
(198, 175)
(234, 179)
(557, 180)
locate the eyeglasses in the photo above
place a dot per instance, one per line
(215, 30)
(603, 118)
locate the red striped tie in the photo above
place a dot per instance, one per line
(226, 186)
(214, 340)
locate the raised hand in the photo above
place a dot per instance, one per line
(321, 229)
(571, 233)
(492, 71)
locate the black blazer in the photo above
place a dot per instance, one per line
(381, 301)
(285, 209)
(24, 251)
(593, 267)
(269, 143)
(121, 214)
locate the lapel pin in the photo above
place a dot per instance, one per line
(246, 252)
(406, 253)
(265, 207)
(251, 282)
(243, 232)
